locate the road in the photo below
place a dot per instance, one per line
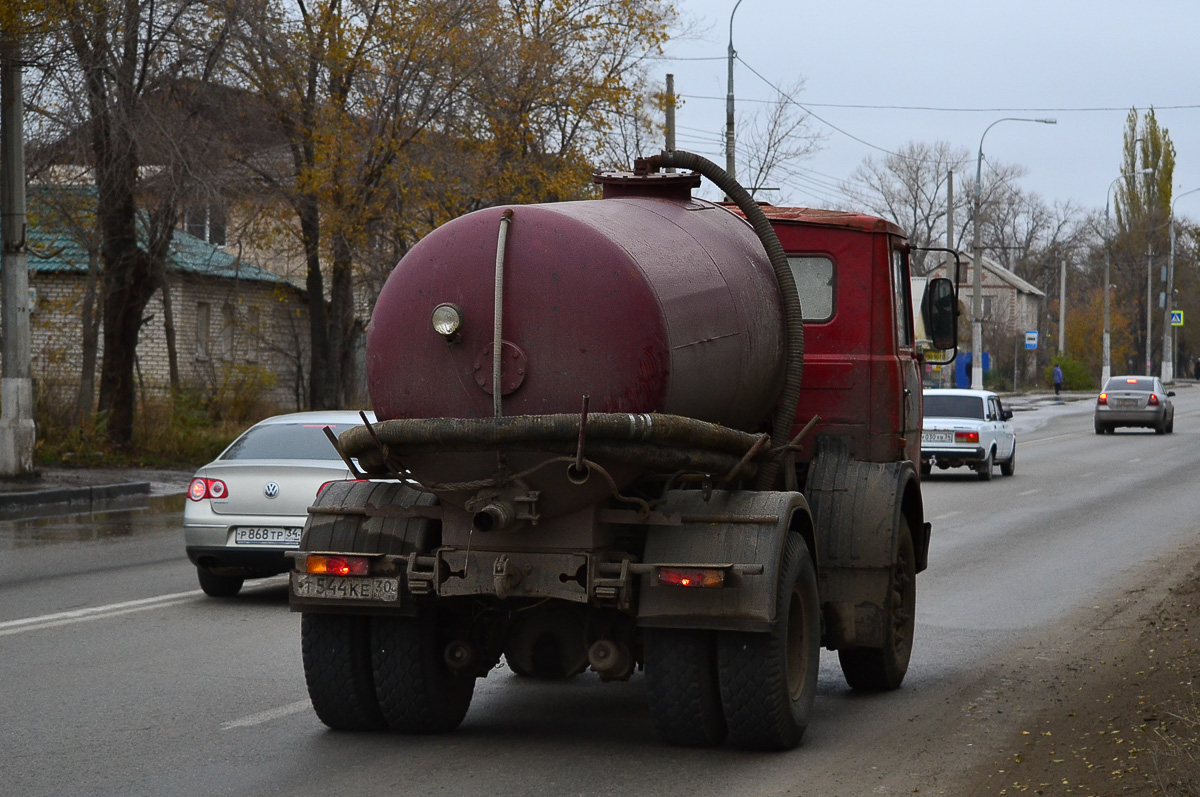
(118, 677)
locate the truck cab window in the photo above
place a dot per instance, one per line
(814, 283)
(903, 298)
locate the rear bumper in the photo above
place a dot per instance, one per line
(248, 563)
(1130, 417)
(952, 457)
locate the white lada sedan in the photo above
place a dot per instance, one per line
(247, 508)
(967, 428)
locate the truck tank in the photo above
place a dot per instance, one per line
(647, 301)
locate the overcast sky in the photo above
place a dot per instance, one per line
(945, 70)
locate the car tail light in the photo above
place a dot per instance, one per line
(321, 489)
(1103, 399)
(338, 565)
(1153, 399)
(691, 576)
(966, 437)
(201, 488)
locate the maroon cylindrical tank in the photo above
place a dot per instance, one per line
(647, 301)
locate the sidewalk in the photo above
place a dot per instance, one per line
(61, 490)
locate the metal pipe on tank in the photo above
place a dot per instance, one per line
(498, 312)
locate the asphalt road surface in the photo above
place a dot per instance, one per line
(118, 677)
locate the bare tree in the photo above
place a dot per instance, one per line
(115, 54)
(775, 141)
(909, 188)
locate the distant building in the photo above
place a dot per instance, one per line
(234, 323)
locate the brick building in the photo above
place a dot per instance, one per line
(234, 323)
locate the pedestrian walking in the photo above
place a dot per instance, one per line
(1057, 379)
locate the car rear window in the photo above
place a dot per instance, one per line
(1142, 383)
(285, 441)
(954, 407)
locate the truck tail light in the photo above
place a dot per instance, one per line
(691, 576)
(1103, 399)
(966, 437)
(338, 565)
(201, 488)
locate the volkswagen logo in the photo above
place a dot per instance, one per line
(271, 490)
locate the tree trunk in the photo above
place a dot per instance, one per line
(169, 332)
(321, 387)
(90, 320)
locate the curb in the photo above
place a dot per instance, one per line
(82, 499)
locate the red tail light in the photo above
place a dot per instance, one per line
(321, 489)
(338, 565)
(691, 576)
(1153, 400)
(1103, 399)
(966, 437)
(201, 488)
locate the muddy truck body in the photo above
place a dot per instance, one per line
(644, 432)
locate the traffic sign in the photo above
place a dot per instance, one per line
(1176, 318)
(1031, 339)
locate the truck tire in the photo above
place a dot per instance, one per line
(216, 586)
(337, 669)
(417, 692)
(682, 687)
(768, 680)
(984, 469)
(883, 669)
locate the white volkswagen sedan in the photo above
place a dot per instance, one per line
(247, 508)
(967, 428)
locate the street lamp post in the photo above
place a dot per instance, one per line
(977, 250)
(730, 160)
(1168, 360)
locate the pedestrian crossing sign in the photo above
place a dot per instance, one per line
(1176, 318)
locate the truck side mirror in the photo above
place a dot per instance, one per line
(939, 310)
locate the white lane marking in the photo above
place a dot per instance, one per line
(946, 516)
(1026, 442)
(268, 715)
(1031, 492)
(10, 627)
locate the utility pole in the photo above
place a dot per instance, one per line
(670, 117)
(1062, 310)
(17, 432)
(1149, 298)
(730, 159)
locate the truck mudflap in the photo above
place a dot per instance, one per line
(743, 533)
(859, 510)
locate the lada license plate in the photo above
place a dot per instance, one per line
(267, 535)
(308, 585)
(937, 437)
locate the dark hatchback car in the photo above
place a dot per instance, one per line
(1135, 401)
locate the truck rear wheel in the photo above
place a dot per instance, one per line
(337, 669)
(682, 688)
(883, 669)
(768, 681)
(418, 693)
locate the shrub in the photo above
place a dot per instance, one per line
(1075, 374)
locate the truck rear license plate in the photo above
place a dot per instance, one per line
(937, 437)
(267, 535)
(307, 585)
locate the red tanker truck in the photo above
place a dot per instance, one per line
(641, 432)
